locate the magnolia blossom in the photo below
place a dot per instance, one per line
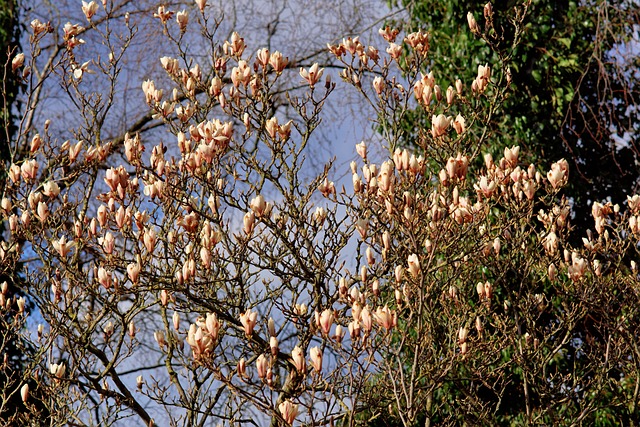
(42, 211)
(482, 80)
(139, 382)
(262, 366)
(394, 51)
(29, 170)
(327, 188)
(104, 277)
(160, 338)
(182, 18)
(20, 302)
(201, 4)
(316, 358)
(235, 46)
(36, 143)
(459, 124)
(17, 61)
(278, 62)
(288, 410)
(273, 345)
(51, 189)
(89, 9)
(361, 149)
(366, 319)
(241, 368)
(107, 242)
(379, 85)
(558, 174)
(385, 317)
(24, 392)
(414, 265)
(249, 220)
(388, 33)
(485, 290)
(57, 370)
(325, 320)
(577, 268)
(176, 320)
(163, 14)
(241, 75)
(149, 238)
(249, 319)
(298, 359)
(439, 125)
(259, 206)
(62, 246)
(312, 76)
(339, 334)
(473, 24)
(203, 336)
(462, 334)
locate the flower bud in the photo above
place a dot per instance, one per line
(139, 382)
(273, 344)
(24, 393)
(473, 25)
(316, 358)
(17, 61)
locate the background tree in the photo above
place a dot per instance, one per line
(574, 95)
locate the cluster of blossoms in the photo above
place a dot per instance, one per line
(222, 225)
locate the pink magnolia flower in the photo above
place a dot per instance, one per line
(394, 50)
(379, 85)
(249, 319)
(17, 61)
(182, 18)
(163, 14)
(24, 392)
(367, 319)
(439, 125)
(450, 95)
(89, 9)
(29, 170)
(235, 46)
(558, 174)
(316, 358)
(201, 4)
(482, 80)
(312, 76)
(473, 24)
(261, 366)
(288, 410)
(62, 246)
(414, 265)
(459, 124)
(389, 34)
(242, 368)
(327, 188)
(43, 211)
(325, 320)
(273, 345)
(385, 317)
(298, 360)
(278, 62)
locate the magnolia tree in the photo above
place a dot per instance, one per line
(212, 277)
